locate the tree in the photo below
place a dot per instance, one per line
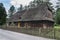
(2, 14)
(57, 17)
(20, 8)
(58, 4)
(25, 7)
(11, 10)
(1, 4)
(32, 4)
(40, 1)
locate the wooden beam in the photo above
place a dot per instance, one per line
(19, 25)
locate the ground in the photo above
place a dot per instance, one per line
(9, 35)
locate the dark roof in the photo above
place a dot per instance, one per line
(40, 12)
(16, 16)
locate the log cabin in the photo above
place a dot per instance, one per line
(40, 16)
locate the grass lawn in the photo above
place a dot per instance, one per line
(57, 32)
(57, 27)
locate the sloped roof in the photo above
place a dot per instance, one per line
(16, 16)
(40, 12)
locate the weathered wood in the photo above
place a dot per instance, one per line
(19, 25)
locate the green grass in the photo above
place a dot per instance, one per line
(57, 32)
(57, 27)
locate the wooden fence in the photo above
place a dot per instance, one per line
(49, 33)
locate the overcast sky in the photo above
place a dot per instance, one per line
(16, 3)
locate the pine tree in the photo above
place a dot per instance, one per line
(2, 14)
(11, 10)
(20, 8)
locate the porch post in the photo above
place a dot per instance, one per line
(7, 24)
(18, 24)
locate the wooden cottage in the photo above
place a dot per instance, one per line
(40, 16)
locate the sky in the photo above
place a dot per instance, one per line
(16, 3)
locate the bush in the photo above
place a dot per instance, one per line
(56, 24)
(57, 17)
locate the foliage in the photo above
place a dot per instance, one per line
(11, 10)
(20, 8)
(40, 1)
(57, 17)
(26, 7)
(57, 27)
(32, 4)
(58, 4)
(56, 24)
(2, 14)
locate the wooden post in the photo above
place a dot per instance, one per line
(18, 24)
(39, 31)
(7, 25)
(54, 34)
